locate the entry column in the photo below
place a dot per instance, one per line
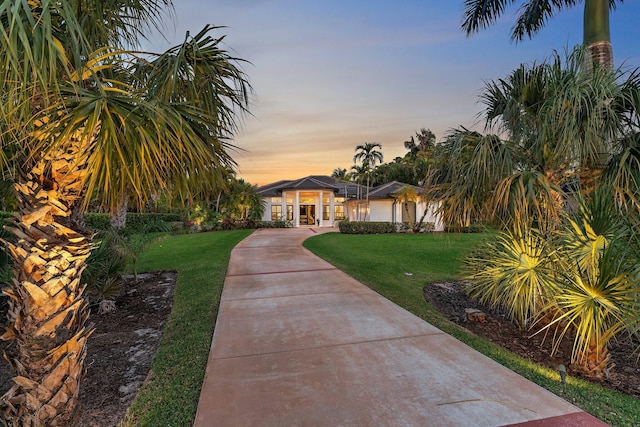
(320, 214)
(296, 209)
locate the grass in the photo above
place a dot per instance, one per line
(170, 396)
(382, 261)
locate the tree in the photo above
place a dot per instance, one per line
(563, 128)
(556, 126)
(339, 174)
(369, 153)
(84, 117)
(425, 145)
(358, 174)
(407, 195)
(533, 15)
(242, 202)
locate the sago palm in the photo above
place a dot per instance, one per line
(82, 119)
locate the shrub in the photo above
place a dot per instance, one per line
(97, 221)
(476, 228)
(274, 224)
(136, 222)
(363, 227)
(105, 265)
(425, 227)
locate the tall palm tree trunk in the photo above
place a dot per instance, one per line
(367, 208)
(597, 35)
(47, 312)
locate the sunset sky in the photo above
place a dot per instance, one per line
(329, 75)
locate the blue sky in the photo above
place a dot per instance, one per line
(329, 75)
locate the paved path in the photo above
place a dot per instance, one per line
(299, 343)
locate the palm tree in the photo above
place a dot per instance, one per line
(83, 117)
(533, 15)
(424, 146)
(358, 174)
(369, 153)
(407, 195)
(339, 174)
(597, 289)
(242, 202)
(555, 126)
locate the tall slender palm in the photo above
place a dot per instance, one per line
(369, 153)
(533, 15)
(83, 117)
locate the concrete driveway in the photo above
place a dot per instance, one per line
(299, 343)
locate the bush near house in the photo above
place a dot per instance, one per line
(274, 224)
(363, 227)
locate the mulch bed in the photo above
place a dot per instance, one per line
(451, 300)
(120, 350)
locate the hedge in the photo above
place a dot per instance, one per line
(363, 227)
(274, 224)
(136, 222)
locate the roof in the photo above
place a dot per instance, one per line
(390, 190)
(340, 188)
(312, 182)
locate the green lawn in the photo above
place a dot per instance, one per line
(381, 261)
(170, 397)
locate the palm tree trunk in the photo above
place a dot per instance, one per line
(597, 36)
(118, 218)
(367, 209)
(47, 312)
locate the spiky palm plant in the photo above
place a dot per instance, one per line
(515, 272)
(598, 290)
(596, 305)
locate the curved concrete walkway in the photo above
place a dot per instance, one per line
(299, 343)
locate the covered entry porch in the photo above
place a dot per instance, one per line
(309, 208)
(316, 201)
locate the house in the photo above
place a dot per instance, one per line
(323, 201)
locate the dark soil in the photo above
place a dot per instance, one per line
(120, 350)
(451, 300)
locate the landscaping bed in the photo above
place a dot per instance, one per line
(120, 350)
(450, 299)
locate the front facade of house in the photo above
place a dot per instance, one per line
(323, 201)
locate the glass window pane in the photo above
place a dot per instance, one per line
(276, 212)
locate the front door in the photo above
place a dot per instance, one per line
(307, 214)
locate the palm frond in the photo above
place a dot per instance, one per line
(515, 272)
(534, 14)
(479, 14)
(597, 305)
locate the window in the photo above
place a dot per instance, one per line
(290, 212)
(276, 212)
(326, 212)
(276, 200)
(338, 213)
